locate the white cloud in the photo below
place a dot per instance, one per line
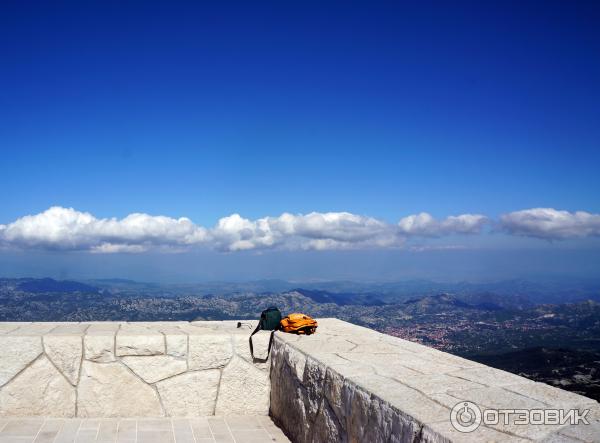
(331, 230)
(112, 248)
(67, 229)
(427, 248)
(425, 225)
(551, 224)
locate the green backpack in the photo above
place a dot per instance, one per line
(269, 321)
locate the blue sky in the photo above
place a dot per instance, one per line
(383, 110)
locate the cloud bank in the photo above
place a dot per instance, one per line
(67, 229)
(425, 225)
(551, 224)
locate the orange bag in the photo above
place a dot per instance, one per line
(298, 324)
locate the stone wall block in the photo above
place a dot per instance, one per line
(244, 390)
(177, 345)
(336, 396)
(65, 351)
(140, 344)
(209, 351)
(287, 405)
(314, 378)
(155, 368)
(16, 352)
(372, 419)
(260, 342)
(111, 390)
(99, 348)
(40, 390)
(327, 427)
(296, 360)
(190, 395)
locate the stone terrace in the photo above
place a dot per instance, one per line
(345, 383)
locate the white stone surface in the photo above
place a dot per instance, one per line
(297, 361)
(69, 329)
(102, 327)
(209, 351)
(99, 348)
(66, 352)
(176, 339)
(443, 432)
(5, 328)
(550, 395)
(139, 341)
(230, 429)
(154, 368)
(111, 390)
(38, 390)
(34, 329)
(260, 342)
(16, 352)
(244, 389)
(345, 383)
(190, 395)
(491, 376)
(177, 344)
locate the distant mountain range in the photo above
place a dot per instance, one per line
(509, 294)
(44, 285)
(341, 298)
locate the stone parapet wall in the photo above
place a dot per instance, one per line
(119, 369)
(352, 384)
(343, 384)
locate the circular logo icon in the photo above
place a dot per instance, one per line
(465, 416)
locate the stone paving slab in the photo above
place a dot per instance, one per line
(215, 429)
